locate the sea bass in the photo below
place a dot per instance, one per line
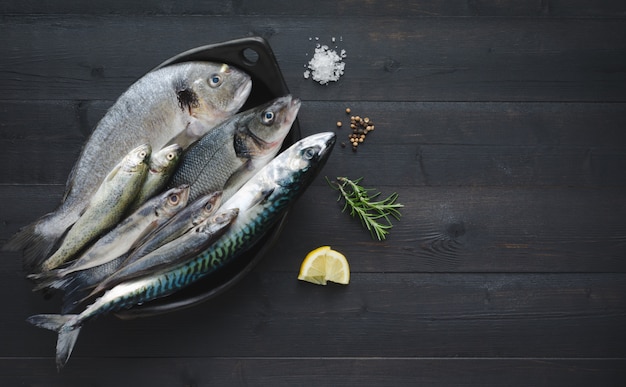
(230, 154)
(277, 185)
(106, 207)
(175, 104)
(162, 165)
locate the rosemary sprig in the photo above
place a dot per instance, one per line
(374, 215)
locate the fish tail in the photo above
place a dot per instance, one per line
(49, 280)
(76, 291)
(37, 240)
(64, 326)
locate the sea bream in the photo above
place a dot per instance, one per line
(261, 202)
(226, 157)
(175, 104)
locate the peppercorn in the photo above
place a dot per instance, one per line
(339, 124)
(348, 110)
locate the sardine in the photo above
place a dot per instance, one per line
(178, 250)
(194, 214)
(124, 236)
(230, 154)
(175, 104)
(281, 181)
(106, 207)
(162, 165)
(78, 285)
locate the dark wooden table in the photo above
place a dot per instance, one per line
(500, 124)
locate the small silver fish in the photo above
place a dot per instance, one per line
(226, 157)
(194, 214)
(178, 250)
(175, 104)
(77, 285)
(106, 207)
(162, 165)
(125, 235)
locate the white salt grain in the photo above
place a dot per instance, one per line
(326, 65)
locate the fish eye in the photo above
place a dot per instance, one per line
(143, 154)
(215, 80)
(209, 206)
(174, 198)
(268, 117)
(170, 156)
(309, 153)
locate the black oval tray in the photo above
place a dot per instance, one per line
(254, 56)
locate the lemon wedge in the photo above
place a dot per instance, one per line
(325, 264)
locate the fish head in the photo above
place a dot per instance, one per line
(266, 126)
(172, 200)
(219, 222)
(218, 91)
(166, 158)
(205, 206)
(137, 159)
(305, 156)
(224, 218)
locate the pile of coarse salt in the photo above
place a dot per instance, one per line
(326, 65)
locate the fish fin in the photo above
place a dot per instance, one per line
(68, 333)
(112, 174)
(238, 177)
(35, 246)
(260, 197)
(76, 291)
(49, 279)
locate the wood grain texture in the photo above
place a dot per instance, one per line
(500, 124)
(447, 59)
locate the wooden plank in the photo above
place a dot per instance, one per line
(442, 229)
(425, 144)
(349, 8)
(591, 125)
(437, 59)
(313, 371)
(377, 315)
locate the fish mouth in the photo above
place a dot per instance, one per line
(241, 95)
(324, 141)
(292, 110)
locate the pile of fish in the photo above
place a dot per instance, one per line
(174, 184)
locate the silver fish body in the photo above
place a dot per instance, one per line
(125, 235)
(162, 165)
(194, 214)
(106, 207)
(180, 101)
(280, 181)
(178, 250)
(227, 156)
(77, 285)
